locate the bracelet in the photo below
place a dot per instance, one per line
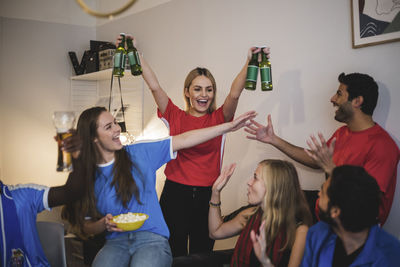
(214, 204)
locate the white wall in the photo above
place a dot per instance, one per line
(34, 72)
(310, 43)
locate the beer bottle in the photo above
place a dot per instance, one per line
(252, 73)
(265, 73)
(133, 58)
(120, 58)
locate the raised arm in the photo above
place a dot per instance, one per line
(266, 135)
(217, 228)
(76, 185)
(232, 99)
(151, 80)
(195, 137)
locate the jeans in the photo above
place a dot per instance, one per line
(136, 249)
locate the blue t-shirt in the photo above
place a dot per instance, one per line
(30, 199)
(380, 248)
(147, 157)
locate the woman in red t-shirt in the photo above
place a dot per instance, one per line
(189, 177)
(278, 202)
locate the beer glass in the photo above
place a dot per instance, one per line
(63, 121)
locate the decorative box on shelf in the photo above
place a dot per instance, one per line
(106, 59)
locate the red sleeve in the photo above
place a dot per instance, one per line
(219, 114)
(170, 111)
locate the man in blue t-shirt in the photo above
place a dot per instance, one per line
(348, 234)
(19, 206)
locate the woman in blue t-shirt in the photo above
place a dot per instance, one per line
(122, 179)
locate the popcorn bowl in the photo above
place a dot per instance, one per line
(130, 221)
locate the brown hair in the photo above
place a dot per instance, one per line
(123, 181)
(284, 202)
(188, 81)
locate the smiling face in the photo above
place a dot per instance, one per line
(107, 139)
(256, 188)
(200, 94)
(340, 100)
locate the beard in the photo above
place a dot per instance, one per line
(325, 216)
(344, 113)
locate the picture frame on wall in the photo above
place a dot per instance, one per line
(375, 22)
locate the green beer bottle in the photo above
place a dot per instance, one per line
(133, 58)
(120, 58)
(265, 73)
(252, 73)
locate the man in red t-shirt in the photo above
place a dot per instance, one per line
(360, 142)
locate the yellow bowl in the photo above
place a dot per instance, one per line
(130, 226)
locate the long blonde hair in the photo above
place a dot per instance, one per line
(284, 204)
(188, 81)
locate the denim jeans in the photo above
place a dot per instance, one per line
(136, 249)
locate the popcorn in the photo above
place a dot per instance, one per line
(129, 217)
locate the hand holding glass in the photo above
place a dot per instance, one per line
(63, 121)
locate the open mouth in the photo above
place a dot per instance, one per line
(116, 138)
(336, 106)
(202, 102)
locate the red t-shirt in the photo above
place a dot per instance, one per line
(374, 150)
(199, 165)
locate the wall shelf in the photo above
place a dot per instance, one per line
(94, 76)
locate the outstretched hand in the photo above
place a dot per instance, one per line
(223, 178)
(260, 246)
(260, 132)
(321, 153)
(242, 120)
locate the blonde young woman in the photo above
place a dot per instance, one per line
(281, 213)
(187, 190)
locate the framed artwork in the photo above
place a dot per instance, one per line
(375, 22)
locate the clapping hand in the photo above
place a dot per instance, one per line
(321, 153)
(260, 246)
(223, 178)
